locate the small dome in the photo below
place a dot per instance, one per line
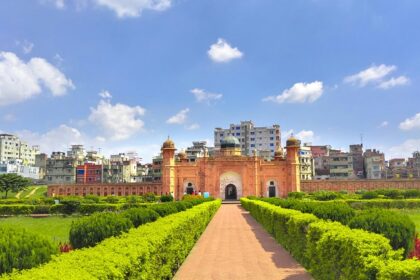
(182, 154)
(168, 144)
(279, 152)
(230, 142)
(292, 142)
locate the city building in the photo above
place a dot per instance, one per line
(198, 150)
(120, 169)
(374, 162)
(397, 168)
(156, 171)
(413, 164)
(41, 163)
(340, 165)
(320, 155)
(356, 151)
(61, 169)
(76, 152)
(89, 173)
(17, 167)
(266, 140)
(12, 148)
(307, 164)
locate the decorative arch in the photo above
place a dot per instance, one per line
(230, 178)
(189, 187)
(272, 188)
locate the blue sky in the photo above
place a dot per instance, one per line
(123, 75)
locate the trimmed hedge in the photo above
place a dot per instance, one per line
(152, 251)
(330, 250)
(89, 231)
(20, 249)
(383, 203)
(398, 228)
(139, 216)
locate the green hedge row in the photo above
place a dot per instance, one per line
(20, 249)
(383, 203)
(152, 251)
(330, 250)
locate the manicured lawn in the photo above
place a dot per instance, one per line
(56, 229)
(31, 192)
(414, 215)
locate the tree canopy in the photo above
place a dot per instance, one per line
(13, 182)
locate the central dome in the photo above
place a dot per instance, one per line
(230, 142)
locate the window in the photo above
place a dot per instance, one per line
(238, 133)
(252, 133)
(271, 144)
(238, 128)
(252, 139)
(271, 138)
(221, 134)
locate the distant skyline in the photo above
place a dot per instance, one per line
(123, 75)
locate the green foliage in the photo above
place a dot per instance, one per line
(20, 249)
(92, 199)
(111, 199)
(166, 198)
(411, 194)
(13, 182)
(164, 209)
(370, 195)
(89, 231)
(407, 270)
(325, 195)
(149, 197)
(296, 195)
(331, 250)
(398, 228)
(70, 205)
(384, 203)
(152, 251)
(86, 209)
(16, 209)
(139, 216)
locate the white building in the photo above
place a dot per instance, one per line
(307, 164)
(12, 148)
(266, 140)
(17, 167)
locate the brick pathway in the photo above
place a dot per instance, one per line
(235, 246)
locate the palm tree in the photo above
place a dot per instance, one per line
(13, 182)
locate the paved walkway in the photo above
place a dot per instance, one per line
(235, 246)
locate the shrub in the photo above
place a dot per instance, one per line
(370, 195)
(296, 195)
(41, 209)
(337, 211)
(70, 205)
(192, 197)
(86, 209)
(152, 251)
(149, 197)
(111, 199)
(166, 198)
(92, 199)
(16, 209)
(89, 231)
(164, 209)
(407, 270)
(398, 228)
(20, 249)
(411, 194)
(325, 195)
(139, 216)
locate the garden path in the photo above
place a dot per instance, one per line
(235, 246)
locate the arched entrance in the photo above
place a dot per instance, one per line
(230, 192)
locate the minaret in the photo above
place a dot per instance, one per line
(168, 167)
(292, 160)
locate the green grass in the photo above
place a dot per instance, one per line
(40, 191)
(56, 229)
(414, 215)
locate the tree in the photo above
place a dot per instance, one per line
(13, 182)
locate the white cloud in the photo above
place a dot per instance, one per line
(56, 139)
(405, 149)
(20, 81)
(393, 82)
(384, 124)
(26, 46)
(223, 52)
(105, 94)
(304, 136)
(372, 74)
(179, 118)
(202, 96)
(119, 121)
(411, 123)
(299, 93)
(134, 8)
(193, 126)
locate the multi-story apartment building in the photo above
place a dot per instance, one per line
(413, 164)
(120, 169)
(374, 162)
(16, 166)
(61, 169)
(266, 140)
(320, 155)
(12, 148)
(41, 163)
(156, 171)
(341, 165)
(89, 173)
(76, 152)
(356, 152)
(398, 168)
(307, 166)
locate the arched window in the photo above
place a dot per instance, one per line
(190, 188)
(271, 189)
